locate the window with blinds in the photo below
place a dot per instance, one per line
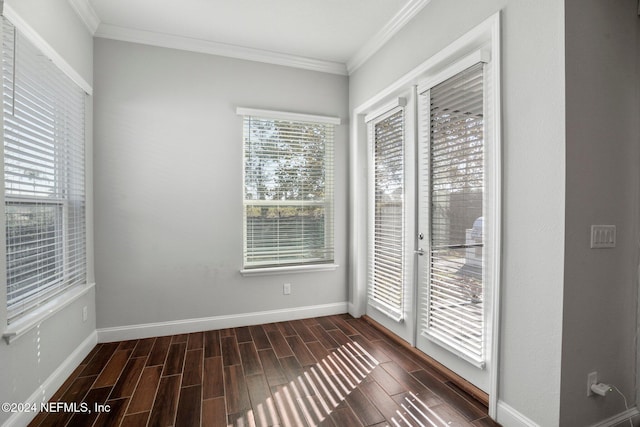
(387, 229)
(44, 186)
(288, 192)
(455, 301)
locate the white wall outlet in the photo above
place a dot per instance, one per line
(592, 378)
(85, 313)
(603, 236)
(286, 288)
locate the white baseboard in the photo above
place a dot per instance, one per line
(617, 419)
(44, 392)
(148, 330)
(509, 417)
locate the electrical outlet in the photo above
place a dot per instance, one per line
(592, 379)
(85, 313)
(286, 288)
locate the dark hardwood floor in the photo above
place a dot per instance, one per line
(328, 371)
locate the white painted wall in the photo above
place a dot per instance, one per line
(32, 359)
(533, 180)
(603, 179)
(168, 183)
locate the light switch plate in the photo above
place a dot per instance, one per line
(603, 236)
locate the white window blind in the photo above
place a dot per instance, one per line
(456, 176)
(288, 192)
(387, 230)
(44, 187)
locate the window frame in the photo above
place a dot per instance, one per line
(58, 292)
(399, 105)
(321, 264)
(434, 334)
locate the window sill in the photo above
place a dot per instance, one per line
(267, 271)
(20, 327)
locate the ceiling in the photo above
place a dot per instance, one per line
(327, 35)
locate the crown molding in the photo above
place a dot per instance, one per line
(214, 48)
(87, 14)
(394, 25)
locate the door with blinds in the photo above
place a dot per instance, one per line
(391, 213)
(453, 282)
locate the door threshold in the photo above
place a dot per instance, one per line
(479, 395)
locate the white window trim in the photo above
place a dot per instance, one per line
(286, 115)
(371, 120)
(291, 269)
(48, 50)
(48, 308)
(314, 265)
(35, 317)
(424, 89)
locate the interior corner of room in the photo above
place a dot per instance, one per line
(462, 176)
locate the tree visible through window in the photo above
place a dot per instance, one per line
(288, 192)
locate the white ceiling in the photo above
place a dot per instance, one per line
(328, 35)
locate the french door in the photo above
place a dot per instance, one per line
(452, 279)
(432, 225)
(391, 289)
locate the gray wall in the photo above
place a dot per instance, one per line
(603, 165)
(168, 183)
(31, 359)
(533, 177)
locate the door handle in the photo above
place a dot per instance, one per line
(419, 251)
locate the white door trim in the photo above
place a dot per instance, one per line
(486, 34)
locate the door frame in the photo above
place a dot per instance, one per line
(486, 34)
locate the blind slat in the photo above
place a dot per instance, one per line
(386, 253)
(43, 113)
(455, 166)
(288, 192)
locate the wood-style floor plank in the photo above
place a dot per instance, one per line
(193, 367)
(166, 402)
(144, 347)
(250, 359)
(264, 408)
(145, 393)
(114, 416)
(213, 378)
(159, 351)
(212, 344)
(99, 360)
(195, 341)
(272, 368)
(243, 334)
(175, 359)
(230, 352)
(279, 344)
(331, 371)
(235, 390)
(135, 420)
(214, 412)
(303, 331)
(189, 407)
(301, 351)
(260, 338)
(128, 378)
